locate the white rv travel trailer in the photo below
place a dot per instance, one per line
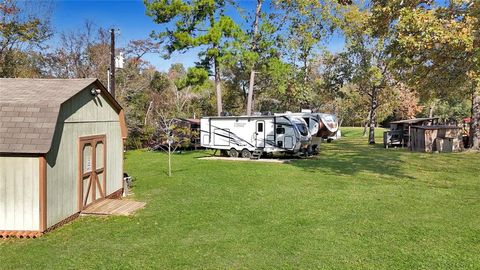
(242, 135)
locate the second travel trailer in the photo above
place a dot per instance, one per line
(320, 125)
(247, 135)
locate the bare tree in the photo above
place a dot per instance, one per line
(136, 49)
(167, 126)
(24, 28)
(169, 107)
(82, 53)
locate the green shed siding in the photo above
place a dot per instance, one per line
(19, 193)
(82, 115)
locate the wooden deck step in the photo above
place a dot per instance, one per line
(113, 207)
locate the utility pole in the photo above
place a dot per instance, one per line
(112, 62)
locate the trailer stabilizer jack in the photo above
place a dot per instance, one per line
(257, 153)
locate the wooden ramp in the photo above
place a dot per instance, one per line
(113, 207)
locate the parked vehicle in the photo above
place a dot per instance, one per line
(320, 125)
(255, 135)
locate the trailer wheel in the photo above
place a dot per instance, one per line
(246, 153)
(233, 153)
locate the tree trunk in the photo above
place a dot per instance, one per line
(218, 89)
(169, 159)
(305, 70)
(244, 93)
(431, 109)
(254, 48)
(250, 92)
(365, 126)
(148, 111)
(373, 117)
(475, 121)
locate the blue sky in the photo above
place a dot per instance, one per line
(129, 16)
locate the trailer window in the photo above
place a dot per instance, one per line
(302, 128)
(307, 120)
(259, 127)
(280, 130)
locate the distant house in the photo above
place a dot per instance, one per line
(61, 149)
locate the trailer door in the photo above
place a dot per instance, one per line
(260, 134)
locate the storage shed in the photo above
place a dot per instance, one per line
(400, 131)
(438, 138)
(61, 150)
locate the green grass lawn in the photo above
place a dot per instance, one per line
(353, 207)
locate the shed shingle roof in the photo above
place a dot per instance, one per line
(29, 110)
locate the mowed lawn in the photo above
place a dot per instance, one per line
(354, 207)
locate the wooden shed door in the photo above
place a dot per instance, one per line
(92, 182)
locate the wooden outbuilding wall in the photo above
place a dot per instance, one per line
(426, 138)
(19, 193)
(81, 116)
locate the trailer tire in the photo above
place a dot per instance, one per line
(233, 153)
(246, 153)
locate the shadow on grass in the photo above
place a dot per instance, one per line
(352, 155)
